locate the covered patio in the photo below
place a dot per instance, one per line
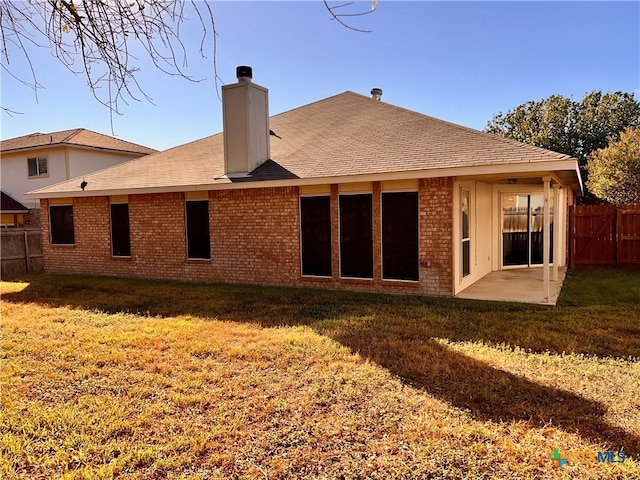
(525, 285)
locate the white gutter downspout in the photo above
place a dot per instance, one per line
(556, 231)
(545, 242)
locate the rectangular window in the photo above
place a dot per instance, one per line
(38, 167)
(356, 236)
(61, 224)
(465, 196)
(120, 235)
(523, 230)
(315, 226)
(400, 236)
(198, 235)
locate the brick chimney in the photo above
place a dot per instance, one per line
(245, 120)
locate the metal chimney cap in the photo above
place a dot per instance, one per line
(376, 93)
(244, 73)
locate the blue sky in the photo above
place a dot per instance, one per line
(459, 61)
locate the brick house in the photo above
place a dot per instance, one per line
(348, 192)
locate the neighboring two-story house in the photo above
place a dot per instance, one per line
(38, 160)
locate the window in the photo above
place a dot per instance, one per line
(61, 224)
(120, 235)
(400, 236)
(198, 236)
(38, 167)
(356, 236)
(523, 230)
(315, 227)
(465, 232)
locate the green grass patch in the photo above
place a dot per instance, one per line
(114, 378)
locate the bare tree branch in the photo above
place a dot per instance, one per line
(338, 15)
(10, 112)
(102, 40)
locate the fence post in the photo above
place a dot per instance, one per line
(572, 237)
(618, 234)
(26, 249)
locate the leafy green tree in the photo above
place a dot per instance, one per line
(614, 171)
(575, 128)
(549, 123)
(602, 117)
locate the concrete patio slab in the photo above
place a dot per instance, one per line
(523, 285)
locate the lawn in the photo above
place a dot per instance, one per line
(112, 378)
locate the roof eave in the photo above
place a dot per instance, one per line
(511, 168)
(74, 145)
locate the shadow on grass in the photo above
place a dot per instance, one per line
(598, 312)
(488, 393)
(398, 334)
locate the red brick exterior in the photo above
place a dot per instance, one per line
(255, 238)
(256, 235)
(436, 235)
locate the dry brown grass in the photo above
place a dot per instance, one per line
(106, 378)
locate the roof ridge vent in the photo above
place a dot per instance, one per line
(376, 93)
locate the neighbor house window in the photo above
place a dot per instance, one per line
(356, 236)
(38, 167)
(198, 235)
(61, 224)
(315, 228)
(120, 234)
(465, 231)
(400, 236)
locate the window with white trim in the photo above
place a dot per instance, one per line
(38, 167)
(465, 231)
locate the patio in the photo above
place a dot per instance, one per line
(523, 285)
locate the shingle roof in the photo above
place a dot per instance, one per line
(10, 204)
(344, 135)
(80, 137)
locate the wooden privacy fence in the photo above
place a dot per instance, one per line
(604, 236)
(20, 251)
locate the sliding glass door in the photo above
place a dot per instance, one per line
(523, 230)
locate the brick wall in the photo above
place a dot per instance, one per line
(32, 219)
(158, 237)
(88, 254)
(436, 235)
(256, 235)
(255, 238)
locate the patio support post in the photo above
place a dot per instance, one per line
(556, 231)
(545, 242)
